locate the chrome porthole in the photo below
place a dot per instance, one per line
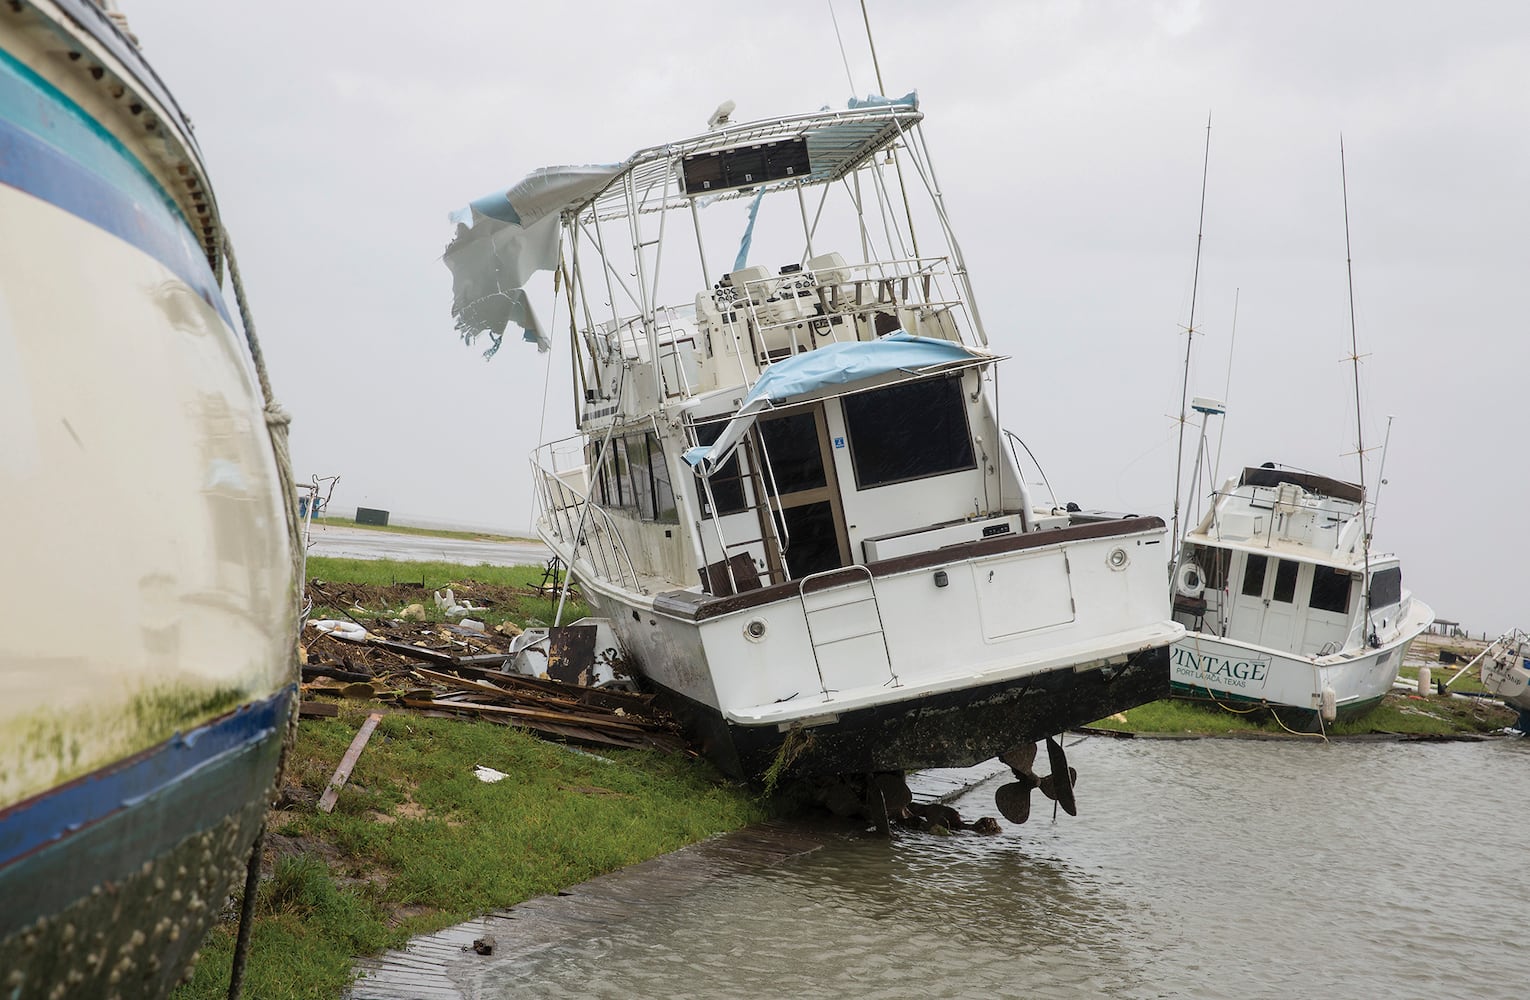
(1118, 559)
(754, 630)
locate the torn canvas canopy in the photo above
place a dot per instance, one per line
(503, 239)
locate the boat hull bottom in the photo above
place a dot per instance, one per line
(119, 906)
(950, 729)
(1301, 719)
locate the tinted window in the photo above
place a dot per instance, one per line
(727, 482)
(908, 431)
(1253, 576)
(793, 451)
(620, 484)
(663, 493)
(641, 478)
(597, 475)
(1386, 587)
(1330, 589)
(1285, 581)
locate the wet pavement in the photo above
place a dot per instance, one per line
(339, 541)
(446, 965)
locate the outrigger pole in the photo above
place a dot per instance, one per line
(1354, 359)
(1184, 386)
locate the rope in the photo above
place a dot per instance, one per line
(278, 424)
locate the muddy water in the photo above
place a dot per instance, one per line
(1196, 869)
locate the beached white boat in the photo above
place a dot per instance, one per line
(148, 658)
(791, 494)
(1505, 671)
(1284, 606)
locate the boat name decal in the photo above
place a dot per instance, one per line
(1203, 668)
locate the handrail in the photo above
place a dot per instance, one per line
(555, 514)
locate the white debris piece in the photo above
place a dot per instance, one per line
(349, 631)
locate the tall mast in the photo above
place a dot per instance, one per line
(1354, 360)
(1184, 386)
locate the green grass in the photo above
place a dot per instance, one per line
(1397, 714)
(427, 577)
(430, 575)
(417, 842)
(404, 529)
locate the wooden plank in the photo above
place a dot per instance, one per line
(343, 772)
(529, 713)
(317, 709)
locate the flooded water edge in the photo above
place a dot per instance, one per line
(1200, 869)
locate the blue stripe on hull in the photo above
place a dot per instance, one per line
(65, 812)
(53, 150)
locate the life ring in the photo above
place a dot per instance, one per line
(1189, 581)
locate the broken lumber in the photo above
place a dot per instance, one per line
(343, 772)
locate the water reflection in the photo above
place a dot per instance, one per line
(1204, 869)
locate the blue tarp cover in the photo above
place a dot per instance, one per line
(824, 367)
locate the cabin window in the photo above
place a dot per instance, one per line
(621, 485)
(598, 490)
(638, 468)
(727, 482)
(793, 451)
(665, 508)
(1330, 590)
(908, 431)
(1253, 576)
(1386, 587)
(1285, 581)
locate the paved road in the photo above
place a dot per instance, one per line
(359, 543)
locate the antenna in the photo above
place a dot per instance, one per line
(849, 77)
(1232, 342)
(908, 210)
(1184, 387)
(1354, 359)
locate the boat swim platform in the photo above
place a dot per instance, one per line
(445, 965)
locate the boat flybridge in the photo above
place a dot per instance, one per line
(1286, 608)
(791, 495)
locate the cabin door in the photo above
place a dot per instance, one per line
(1264, 605)
(809, 517)
(1247, 619)
(1279, 631)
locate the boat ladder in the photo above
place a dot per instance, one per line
(844, 624)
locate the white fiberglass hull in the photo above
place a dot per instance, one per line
(149, 662)
(1002, 652)
(1242, 675)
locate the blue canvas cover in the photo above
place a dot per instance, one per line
(825, 367)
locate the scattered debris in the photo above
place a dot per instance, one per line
(349, 631)
(343, 772)
(488, 775)
(484, 945)
(449, 668)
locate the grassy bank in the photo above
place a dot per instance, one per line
(1397, 715)
(386, 587)
(417, 842)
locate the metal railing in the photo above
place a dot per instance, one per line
(574, 519)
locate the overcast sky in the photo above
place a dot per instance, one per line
(1068, 137)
